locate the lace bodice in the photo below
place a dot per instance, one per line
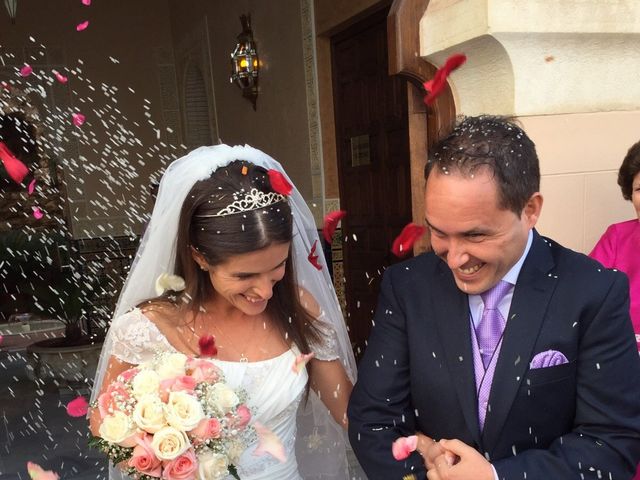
(273, 389)
(136, 339)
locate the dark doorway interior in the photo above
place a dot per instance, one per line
(373, 163)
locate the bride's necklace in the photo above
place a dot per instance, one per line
(247, 346)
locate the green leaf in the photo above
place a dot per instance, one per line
(233, 471)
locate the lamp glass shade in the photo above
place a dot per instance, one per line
(12, 9)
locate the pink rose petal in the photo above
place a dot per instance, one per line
(26, 70)
(32, 186)
(14, 167)
(37, 213)
(78, 407)
(403, 447)
(268, 442)
(61, 78)
(86, 2)
(37, 473)
(300, 362)
(82, 26)
(78, 119)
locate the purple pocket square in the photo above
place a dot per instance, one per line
(550, 358)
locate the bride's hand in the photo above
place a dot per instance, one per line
(431, 450)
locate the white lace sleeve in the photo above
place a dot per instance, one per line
(327, 348)
(136, 338)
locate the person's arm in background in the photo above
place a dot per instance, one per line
(380, 408)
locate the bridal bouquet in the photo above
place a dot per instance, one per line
(173, 418)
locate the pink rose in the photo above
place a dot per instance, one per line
(143, 459)
(183, 467)
(206, 429)
(243, 416)
(183, 383)
(127, 375)
(108, 402)
(203, 370)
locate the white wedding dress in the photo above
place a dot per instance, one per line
(274, 391)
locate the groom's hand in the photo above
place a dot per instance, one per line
(469, 464)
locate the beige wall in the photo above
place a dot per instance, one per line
(579, 159)
(535, 60)
(280, 125)
(101, 205)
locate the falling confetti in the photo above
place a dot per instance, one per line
(331, 222)
(37, 213)
(32, 186)
(207, 346)
(403, 447)
(78, 119)
(436, 86)
(26, 70)
(300, 362)
(268, 442)
(279, 184)
(14, 167)
(82, 26)
(403, 243)
(78, 407)
(313, 258)
(61, 78)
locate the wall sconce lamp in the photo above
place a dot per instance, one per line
(244, 62)
(12, 9)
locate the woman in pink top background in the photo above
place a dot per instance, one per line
(619, 247)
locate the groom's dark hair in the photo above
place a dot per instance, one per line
(497, 143)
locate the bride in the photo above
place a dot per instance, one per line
(243, 252)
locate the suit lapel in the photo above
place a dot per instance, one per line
(531, 298)
(452, 319)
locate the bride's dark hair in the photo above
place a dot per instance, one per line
(218, 238)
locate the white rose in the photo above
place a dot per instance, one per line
(212, 466)
(183, 411)
(235, 450)
(146, 382)
(172, 365)
(117, 428)
(222, 398)
(169, 443)
(166, 281)
(149, 414)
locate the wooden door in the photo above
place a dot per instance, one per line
(373, 163)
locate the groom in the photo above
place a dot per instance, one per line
(516, 353)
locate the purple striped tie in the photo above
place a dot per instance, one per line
(492, 323)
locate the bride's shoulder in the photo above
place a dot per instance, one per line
(325, 346)
(136, 335)
(309, 303)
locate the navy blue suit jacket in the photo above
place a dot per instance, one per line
(572, 421)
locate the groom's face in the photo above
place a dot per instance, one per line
(478, 239)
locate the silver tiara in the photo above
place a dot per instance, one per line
(253, 200)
